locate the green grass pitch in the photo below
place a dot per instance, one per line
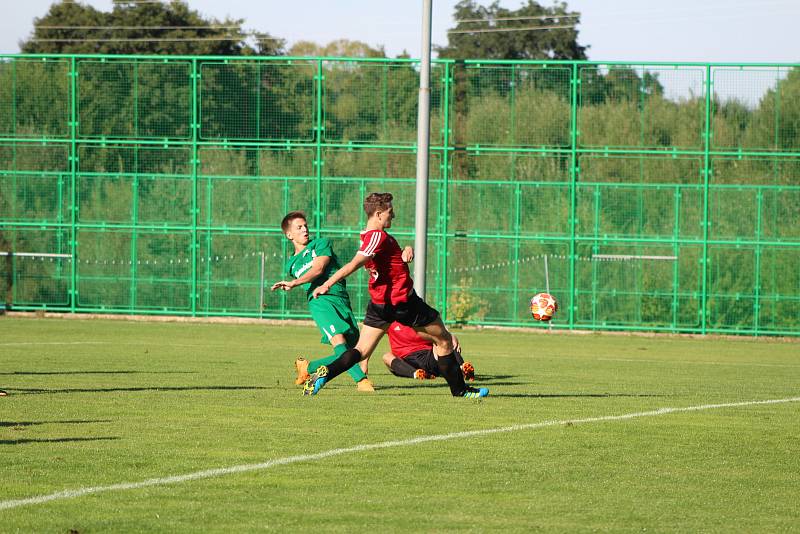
(96, 403)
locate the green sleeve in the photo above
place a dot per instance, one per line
(324, 247)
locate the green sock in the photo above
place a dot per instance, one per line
(313, 364)
(355, 372)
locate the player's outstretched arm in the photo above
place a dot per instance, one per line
(318, 266)
(346, 270)
(286, 285)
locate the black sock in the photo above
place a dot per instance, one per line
(400, 367)
(344, 362)
(452, 373)
(459, 359)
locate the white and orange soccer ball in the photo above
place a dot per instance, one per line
(543, 306)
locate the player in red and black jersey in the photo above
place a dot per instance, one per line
(412, 356)
(392, 298)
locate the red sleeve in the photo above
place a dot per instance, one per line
(371, 242)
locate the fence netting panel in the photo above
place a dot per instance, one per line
(644, 197)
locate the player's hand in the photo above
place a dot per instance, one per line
(286, 285)
(456, 344)
(320, 290)
(408, 254)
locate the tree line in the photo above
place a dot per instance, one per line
(173, 28)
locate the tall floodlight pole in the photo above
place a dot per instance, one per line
(423, 139)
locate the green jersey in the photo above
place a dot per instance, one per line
(301, 262)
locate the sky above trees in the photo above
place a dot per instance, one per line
(683, 30)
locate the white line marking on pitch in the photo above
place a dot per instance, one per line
(210, 473)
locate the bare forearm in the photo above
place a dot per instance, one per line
(316, 268)
(341, 274)
(309, 276)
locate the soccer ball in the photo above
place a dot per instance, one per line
(543, 306)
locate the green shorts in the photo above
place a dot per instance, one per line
(333, 315)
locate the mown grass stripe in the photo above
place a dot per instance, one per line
(210, 473)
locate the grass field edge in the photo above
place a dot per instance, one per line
(223, 471)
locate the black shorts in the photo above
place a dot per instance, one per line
(413, 312)
(423, 359)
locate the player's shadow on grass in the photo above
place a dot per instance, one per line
(482, 377)
(497, 380)
(572, 395)
(98, 373)
(53, 440)
(33, 423)
(22, 391)
(480, 380)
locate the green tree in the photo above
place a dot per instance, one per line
(557, 43)
(337, 48)
(366, 101)
(142, 28)
(776, 121)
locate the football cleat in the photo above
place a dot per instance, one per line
(316, 381)
(468, 370)
(365, 386)
(301, 364)
(475, 393)
(422, 374)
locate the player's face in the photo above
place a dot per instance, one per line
(298, 231)
(386, 216)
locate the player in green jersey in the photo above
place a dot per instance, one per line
(312, 263)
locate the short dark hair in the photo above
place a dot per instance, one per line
(377, 202)
(292, 215)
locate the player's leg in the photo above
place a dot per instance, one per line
(324, 315)
(338, 325)
(375, 324)
(399, 366)
(351, 339)
(356, 372)
(367, 341)
(448, 364)
(442, 339)
(417, 314)
(427, 363)
(466, 367)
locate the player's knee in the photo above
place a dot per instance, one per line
(363, 351)
(387, 359)
(445, 343)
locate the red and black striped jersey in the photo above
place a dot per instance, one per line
(390, 280)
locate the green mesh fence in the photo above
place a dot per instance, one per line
(643, 196)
